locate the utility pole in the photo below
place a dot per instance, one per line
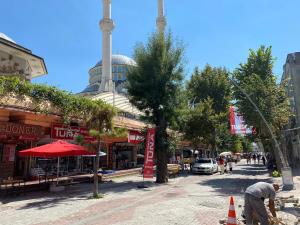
(287, 178)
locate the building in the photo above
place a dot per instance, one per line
(120, 66)
(20, 127)
(291, 75)
(16, 60)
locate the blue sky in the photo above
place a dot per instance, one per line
(219, 32)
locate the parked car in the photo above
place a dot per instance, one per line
(208, 166)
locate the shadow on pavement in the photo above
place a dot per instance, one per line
(228, 185)
(243, 176)
(45, 199)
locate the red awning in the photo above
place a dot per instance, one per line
(56, 149)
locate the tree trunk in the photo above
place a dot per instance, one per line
(96, 167)
(161, 152)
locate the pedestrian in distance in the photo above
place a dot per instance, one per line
(221, 163)
(263, 158)
(254, 202)
(258, 159)
(254, 158)
(248, 159)
(230, 166)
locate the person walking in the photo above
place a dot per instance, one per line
(263, 158)
(221, 163)
(258, 158)
(248, 159)
(254, 202)
(230, 166)
(254, 158)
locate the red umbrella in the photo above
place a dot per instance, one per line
(56, 149)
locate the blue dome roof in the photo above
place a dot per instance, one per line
(91, 88)
(119, 60)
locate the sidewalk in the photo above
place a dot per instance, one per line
(290, 213)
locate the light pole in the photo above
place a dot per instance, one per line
(287, 178)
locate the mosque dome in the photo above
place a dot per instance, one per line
(4, 36)
(119, 60)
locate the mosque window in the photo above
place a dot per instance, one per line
(114, 69)
(120, 69)
(119, 76)
(115, 77)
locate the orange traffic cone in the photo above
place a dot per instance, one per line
(231, 213)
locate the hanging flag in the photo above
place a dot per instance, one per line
(149, 153)
(237, 124)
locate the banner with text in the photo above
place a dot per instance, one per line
(63, 132)
(237, 123)
(149, 153)
(135, 137)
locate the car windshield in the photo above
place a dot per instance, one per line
(204, 161)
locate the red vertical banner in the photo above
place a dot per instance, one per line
(149, 153)
(232, 120)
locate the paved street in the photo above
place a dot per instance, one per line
(191, 199)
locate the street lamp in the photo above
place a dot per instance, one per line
(287, 178)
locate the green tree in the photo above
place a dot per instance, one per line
(200, 124)
(237, 144)
(100, 123)
(211, 82)
(210, 91)
(154, 85)
(256, 78)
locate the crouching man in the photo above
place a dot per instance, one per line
(254, 202)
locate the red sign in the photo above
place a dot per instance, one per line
(63, 132)
(149, 153)
(135, 137)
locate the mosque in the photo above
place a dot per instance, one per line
(120, 66)
(108, 77)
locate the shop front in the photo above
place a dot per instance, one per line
(123, 152)
(13, 138)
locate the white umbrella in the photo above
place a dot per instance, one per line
(100, 154)
(225, 153)
(140, 156)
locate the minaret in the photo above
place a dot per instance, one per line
(161, 19)
(106, 25)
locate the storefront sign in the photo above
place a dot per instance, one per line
(17, 129)
(149, 153)
(135, 137)
(63, 132)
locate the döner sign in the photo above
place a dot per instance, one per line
(16, 129)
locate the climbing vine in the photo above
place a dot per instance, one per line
(68, 105)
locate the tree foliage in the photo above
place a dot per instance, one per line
(68, 105)
(257, 79)
(154, 86)
(210, 91)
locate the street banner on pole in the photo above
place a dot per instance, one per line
(237, 123)
(149, 153)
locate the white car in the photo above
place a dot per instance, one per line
(208, 166)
